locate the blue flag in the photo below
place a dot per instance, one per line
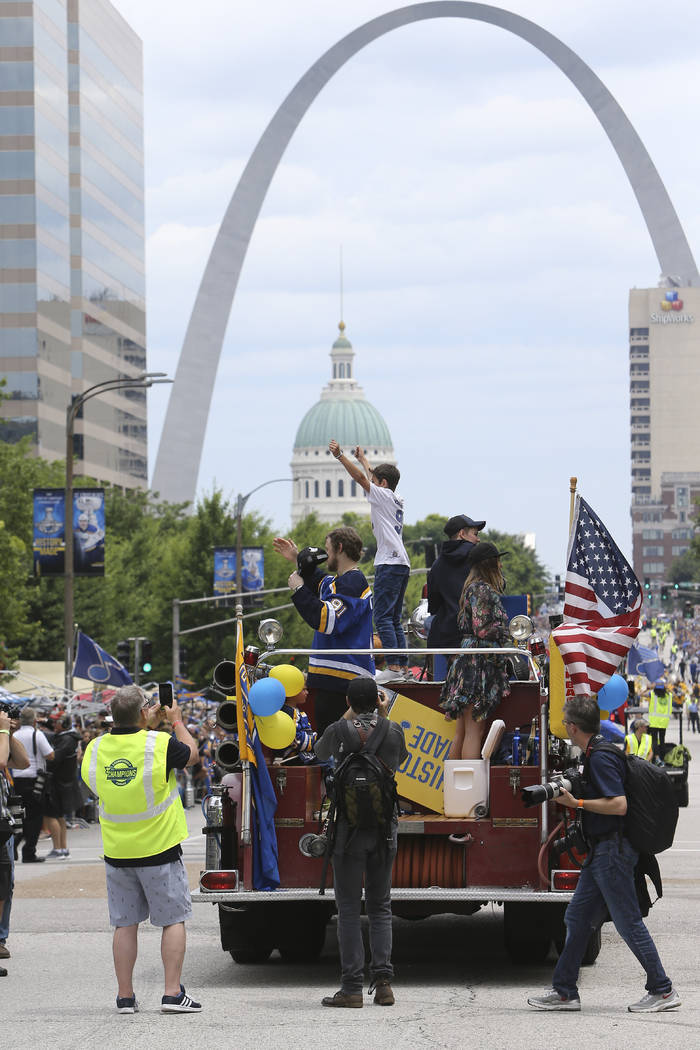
(645, 661)
(265, 870)
(91, 661)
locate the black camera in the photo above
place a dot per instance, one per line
(574, 841)
(570, 780)
(309, 559)
(15, 807)
(10, 709)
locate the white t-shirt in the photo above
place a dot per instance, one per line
(386, 515)
(25, 735)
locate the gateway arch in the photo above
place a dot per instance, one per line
(182, 439)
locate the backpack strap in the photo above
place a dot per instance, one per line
(349, 736)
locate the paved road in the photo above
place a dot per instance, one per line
(455, 986)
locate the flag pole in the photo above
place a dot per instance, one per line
(246, 794)
(572, 500)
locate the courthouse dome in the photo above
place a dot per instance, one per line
(351, 422)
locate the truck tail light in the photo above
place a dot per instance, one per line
(251, 655)
(565, 880)
(219, 881)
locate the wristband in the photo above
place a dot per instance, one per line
(580, 804)
(178, 723)
(339, 454)
(5, 731)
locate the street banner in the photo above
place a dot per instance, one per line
(49, 539)
(252, 570)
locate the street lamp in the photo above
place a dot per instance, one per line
(139, 382)
(240, 507)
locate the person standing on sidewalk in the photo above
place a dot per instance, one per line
(659, 715)
(132, 772)
(392, 565)
(606, 883)
(39, 750)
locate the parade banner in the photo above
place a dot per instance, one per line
(252, 570)
(49, 540)
(428, 737)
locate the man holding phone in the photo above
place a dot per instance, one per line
(132, 772)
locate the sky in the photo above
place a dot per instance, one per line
(489, 236)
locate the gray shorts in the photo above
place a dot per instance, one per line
(161, 892)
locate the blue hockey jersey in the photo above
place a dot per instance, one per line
(339, 608)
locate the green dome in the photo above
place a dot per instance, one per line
(350, 421)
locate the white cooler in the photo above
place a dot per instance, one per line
(466, 781)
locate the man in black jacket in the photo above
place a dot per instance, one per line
(445, 582)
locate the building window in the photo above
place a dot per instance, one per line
(653, 566)
(677, 551)
(639, 455)
(637, 332)
(654, 534)
(653, 552)
(306, 489)
(341, 488)
(640, 402)
(335, 371)
(681, 515)
(328, 490)
(643, 421)
(681, 534)
(353, 488)
(639, 386)
(681, 497)
(315, 490)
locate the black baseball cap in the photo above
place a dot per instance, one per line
(462, 521)
(483, 551)
(364, 692)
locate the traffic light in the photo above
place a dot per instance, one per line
(124, 654)
(559, 588)
(647, 584)
(664, 594)
(687, 610)
(675, 586)
(146, 660)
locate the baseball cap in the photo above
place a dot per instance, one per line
(362, 690)
(484, 551)
(462, 521)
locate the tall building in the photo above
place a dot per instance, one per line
(72, 285)
(664, 424)
(324, 486)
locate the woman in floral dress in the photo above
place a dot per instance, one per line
(475, 685)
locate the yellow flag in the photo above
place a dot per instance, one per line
(244, 716)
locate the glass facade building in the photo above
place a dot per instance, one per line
(72, 284)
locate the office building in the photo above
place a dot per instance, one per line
(72, 291)
(664, 424)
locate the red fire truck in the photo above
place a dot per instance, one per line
(509, 854)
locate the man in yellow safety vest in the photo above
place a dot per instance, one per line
(132, 772)
(638, 741)
(659, 716)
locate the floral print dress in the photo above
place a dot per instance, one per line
(479, 681)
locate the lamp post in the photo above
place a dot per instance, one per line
(240, 507)
(140, 382)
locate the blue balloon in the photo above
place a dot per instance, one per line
(266, 697)
(613, 694)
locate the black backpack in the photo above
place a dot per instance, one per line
(652, 808)
(364, 788)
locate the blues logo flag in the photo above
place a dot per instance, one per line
(265, 867)
(92, 662)
(602, 604)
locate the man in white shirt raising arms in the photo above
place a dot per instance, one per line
(391, 562)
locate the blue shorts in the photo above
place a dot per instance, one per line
(161, 893)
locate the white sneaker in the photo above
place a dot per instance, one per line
(655, 1002)
(383, 677)
(55, 854)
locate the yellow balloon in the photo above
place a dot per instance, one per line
(291, 678)
(276, 731)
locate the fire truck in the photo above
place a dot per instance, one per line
(504, 852)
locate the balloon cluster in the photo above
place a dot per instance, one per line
(267, 696)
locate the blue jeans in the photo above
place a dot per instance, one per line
(5, 917)
(389, 589)
(607, 883)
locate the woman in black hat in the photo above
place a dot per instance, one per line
(475, 685)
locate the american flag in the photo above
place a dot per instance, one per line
(602, 604)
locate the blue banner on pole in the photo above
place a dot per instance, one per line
(252, 570)
(49, 541)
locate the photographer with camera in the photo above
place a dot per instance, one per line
(606, 883)
(30, 782)
(12, 750)
(132, 772)
(339, 608)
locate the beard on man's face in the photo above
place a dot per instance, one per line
(332, 562)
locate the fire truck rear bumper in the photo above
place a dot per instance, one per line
(482, 894)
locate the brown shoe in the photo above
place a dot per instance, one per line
(383, 995)
(4, 952)
(346, 999)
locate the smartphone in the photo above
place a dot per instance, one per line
(165, 694)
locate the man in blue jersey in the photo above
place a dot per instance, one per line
(339, 608)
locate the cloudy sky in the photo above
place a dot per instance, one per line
(489, 234)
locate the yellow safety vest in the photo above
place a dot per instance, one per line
(659, 710)
(140, 809)
(642, 747)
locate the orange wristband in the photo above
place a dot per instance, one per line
(178, 723)
(580, 804)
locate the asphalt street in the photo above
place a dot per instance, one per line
(455, 986)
